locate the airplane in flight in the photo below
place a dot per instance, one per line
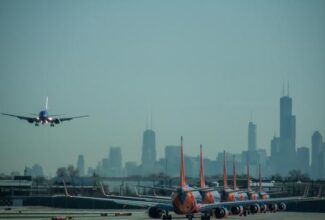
(43, 117)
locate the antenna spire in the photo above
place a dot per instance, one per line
(288, 87)
(283, 89)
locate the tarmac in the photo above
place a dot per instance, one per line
(53, 213)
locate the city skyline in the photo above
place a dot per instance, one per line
(200, 69)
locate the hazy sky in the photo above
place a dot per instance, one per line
(200, 67)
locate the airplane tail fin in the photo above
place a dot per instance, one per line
(47, 103)
(259, 178)
(235, 177)
(202, 182)
(248, 178)
(182, 171)
(224, 171)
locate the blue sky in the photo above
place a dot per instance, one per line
(200, 67)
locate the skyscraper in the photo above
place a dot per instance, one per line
(303, 158)
(316, 155)
(115, 162)
(275, 154)
(172, 157)
(252, 154)
(287, 135)
(81, 165)
(251, 137)
(148, 152)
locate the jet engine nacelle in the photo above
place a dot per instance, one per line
(273, 207)
(263, 208)
(255, 208)
(30, 120)
(221, 212)
(237, 210)
(154, 212)
(56, 121)
(282, 206)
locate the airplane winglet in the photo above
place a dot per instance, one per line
(102, 189)
(319, 192)
(306, 191)
(66, 189)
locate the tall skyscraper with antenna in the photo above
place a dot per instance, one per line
(251, 136)
(148, 150)
(287, 134)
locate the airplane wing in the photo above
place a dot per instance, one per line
(127, 202)
(29, 119)
(58, 120)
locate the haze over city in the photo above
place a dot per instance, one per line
(200, 69)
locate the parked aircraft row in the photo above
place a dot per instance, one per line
(43, 117)
(205, 201)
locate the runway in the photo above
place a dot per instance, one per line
(38, 213)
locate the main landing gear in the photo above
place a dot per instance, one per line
(189, 217)
(167, 216)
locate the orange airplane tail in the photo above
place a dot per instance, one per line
(182, 172)
(224, 170)
(202, 182)
(235, 178)
(259, 178)
(248, 178)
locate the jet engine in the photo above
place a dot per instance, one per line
(221, 212)
(30, 120)
(255, 208)
(155, 212)
(237, 210)
(56, 121)
(273, 207)
(263, 208)
(282, 206)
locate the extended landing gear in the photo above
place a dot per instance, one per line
(189, 217)
(52, 125)
(36, 124)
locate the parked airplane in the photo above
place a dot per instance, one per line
(43, 117)
(208, 196)
(187, 201)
